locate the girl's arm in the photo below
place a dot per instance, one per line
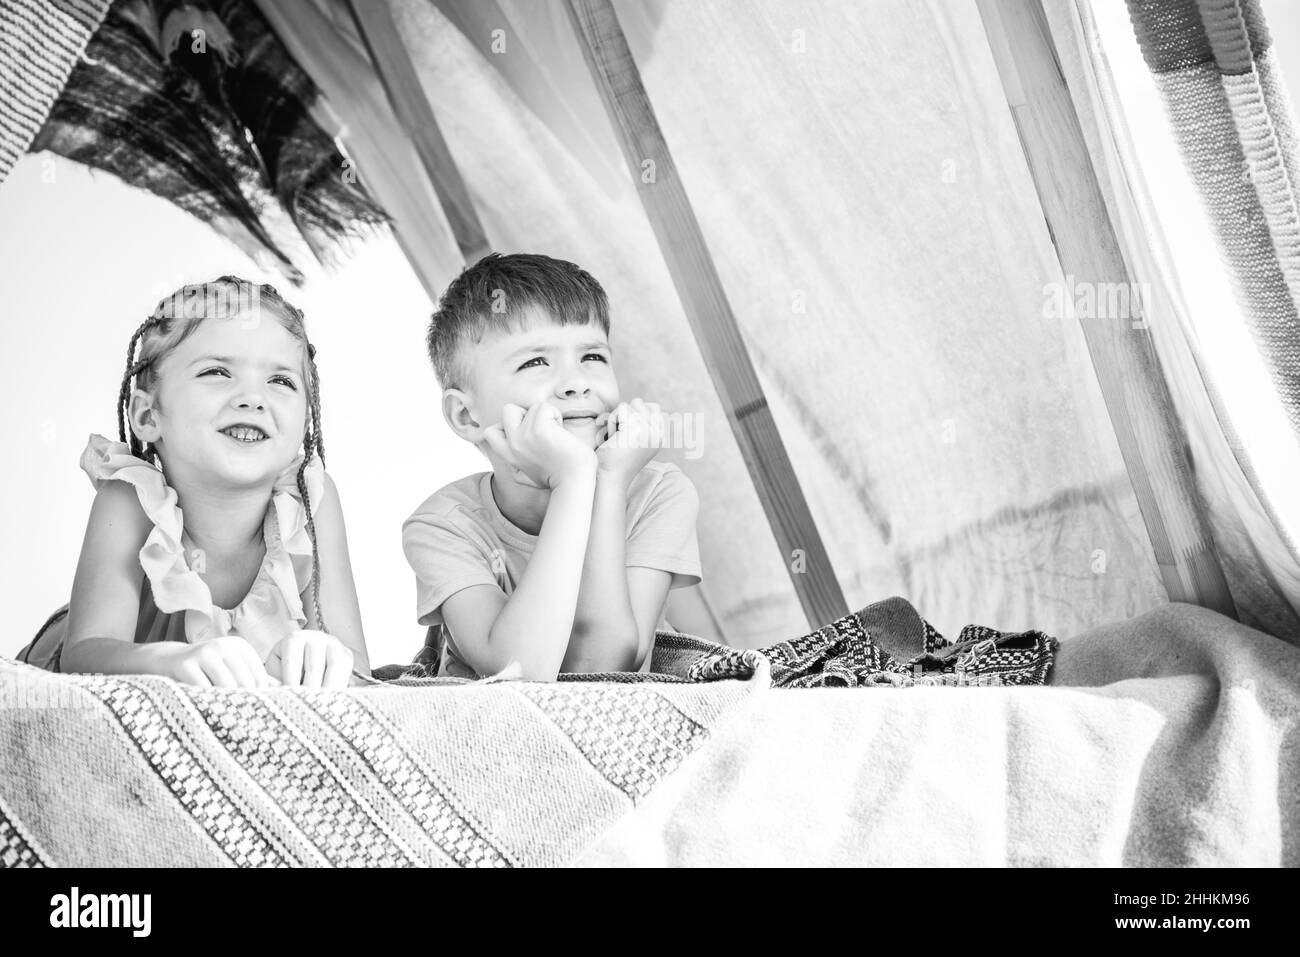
(105, 608)
(338, 591)
(106, 591)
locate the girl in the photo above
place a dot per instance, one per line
(215, 536)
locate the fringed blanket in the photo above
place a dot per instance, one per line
(40, 41)
(1172, 738)
(200, 103)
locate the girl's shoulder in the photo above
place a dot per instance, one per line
(105, 461)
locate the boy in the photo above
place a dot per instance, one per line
(561, 557)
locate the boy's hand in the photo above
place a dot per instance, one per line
(636, 432)
(310, 659)
(228, 662)
(537, 446)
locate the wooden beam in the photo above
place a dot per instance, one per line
(401, 82)
(682, 243)
(1137, 396)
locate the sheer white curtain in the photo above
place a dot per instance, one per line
(1243, 451)
(863, 192)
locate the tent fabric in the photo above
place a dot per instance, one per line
(40, 41)
(1213, 64)
(321, 36)
(879, 238)
(201, 105)
(944, 421)
(1258, 555)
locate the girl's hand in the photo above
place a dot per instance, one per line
(228, 662)
(635, 431)
(310, 659)
(539, 449)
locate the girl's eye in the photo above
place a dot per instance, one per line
(285, 380)
(595, 355)
(217, 369)
(530, 362)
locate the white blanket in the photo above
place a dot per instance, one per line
(1169, 739)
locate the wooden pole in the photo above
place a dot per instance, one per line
(401, 83)
(682, 244)
(1137, 396)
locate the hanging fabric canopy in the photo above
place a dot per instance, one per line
(1237, 433)
(908, 278)
(951, 433)
(883, 249)
(201, 105)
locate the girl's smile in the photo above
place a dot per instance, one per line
(245, 434)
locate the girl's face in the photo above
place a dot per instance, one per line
(230, 402)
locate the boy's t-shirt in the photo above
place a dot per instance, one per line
(459, 538)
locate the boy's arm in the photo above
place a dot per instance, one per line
(605, 635)
(648, 590)
(533, 626)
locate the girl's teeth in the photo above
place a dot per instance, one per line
(245, 435)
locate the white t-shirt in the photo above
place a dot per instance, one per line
(459, 538)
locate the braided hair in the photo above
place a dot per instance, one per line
(172, 321)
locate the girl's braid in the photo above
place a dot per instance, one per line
(313, 444)
(133, 368)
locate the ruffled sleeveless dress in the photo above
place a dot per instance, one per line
(175, 603)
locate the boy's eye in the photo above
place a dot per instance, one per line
(220, 370)
(589, 355)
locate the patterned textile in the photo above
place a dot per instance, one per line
(16, 848)
(1213, 65)
(843, 655)
(885, 644)
(199, 103)
(40, 41)
(477, 775)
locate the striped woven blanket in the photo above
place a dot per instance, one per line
(106, 771)
(1169, 739)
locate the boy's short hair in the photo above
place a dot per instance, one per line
(495, 292)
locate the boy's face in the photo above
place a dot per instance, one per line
(572, 366)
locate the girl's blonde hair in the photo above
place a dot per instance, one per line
(173, 320)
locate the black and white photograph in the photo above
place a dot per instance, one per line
(636, 434)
